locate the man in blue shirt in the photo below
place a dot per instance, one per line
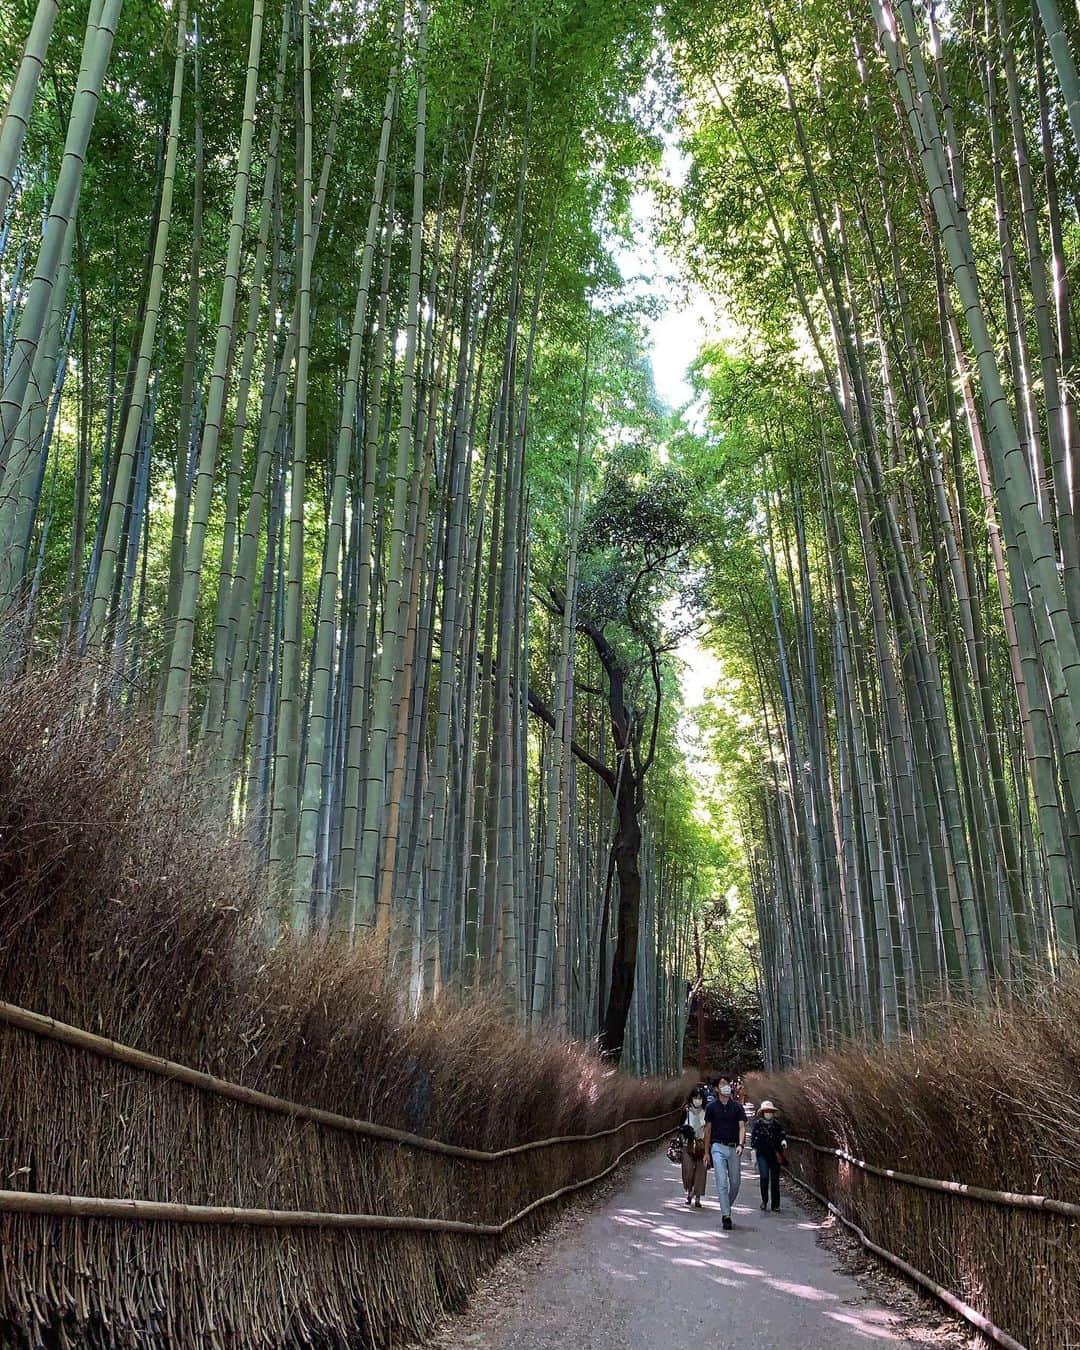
(725, 1135)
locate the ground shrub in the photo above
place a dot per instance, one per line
(126, 909)
(990, 1097)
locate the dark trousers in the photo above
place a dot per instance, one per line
(769, 1172)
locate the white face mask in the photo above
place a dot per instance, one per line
(725, 1091)
(768, 1117)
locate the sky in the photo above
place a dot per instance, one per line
(673, 339)
(649, 270)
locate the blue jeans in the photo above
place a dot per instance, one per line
(728, 1167)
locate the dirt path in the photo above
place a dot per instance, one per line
(642, 1271)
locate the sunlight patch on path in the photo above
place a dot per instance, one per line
(644, 1272)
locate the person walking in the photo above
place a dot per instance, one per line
(768, 1144)
(693, 1156)
(725, 1136)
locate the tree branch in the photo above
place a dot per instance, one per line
(604, 650)
(541, 710)
(658, 691)
(595, 689)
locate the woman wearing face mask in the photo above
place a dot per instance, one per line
(768, 1143)
(693, 1157)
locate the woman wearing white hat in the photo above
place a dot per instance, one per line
(768, 1143)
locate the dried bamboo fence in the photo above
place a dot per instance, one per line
(987, 1099)
(1008, 1262)
(128, 908)
(153, 1204)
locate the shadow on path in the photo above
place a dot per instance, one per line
(643, 1271)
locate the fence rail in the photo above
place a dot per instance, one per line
(960, 1245)
(1045, 1203)
(951, 1300)
(40, 1025)
(287, 1244)
(98, 1207)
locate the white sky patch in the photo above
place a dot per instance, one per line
(687, 320)
(701, 671)
(700, 674)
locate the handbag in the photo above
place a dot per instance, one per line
(675, 1149)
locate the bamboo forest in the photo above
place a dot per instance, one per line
(331, 441)
(539, 567)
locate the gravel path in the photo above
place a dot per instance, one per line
(642, 1271)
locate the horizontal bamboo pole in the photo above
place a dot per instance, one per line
(1010, 1198)
(157, 1211)
(40, 1025)
(947, 1297)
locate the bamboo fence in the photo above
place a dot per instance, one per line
(1008, 1262)
(152, 1203)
